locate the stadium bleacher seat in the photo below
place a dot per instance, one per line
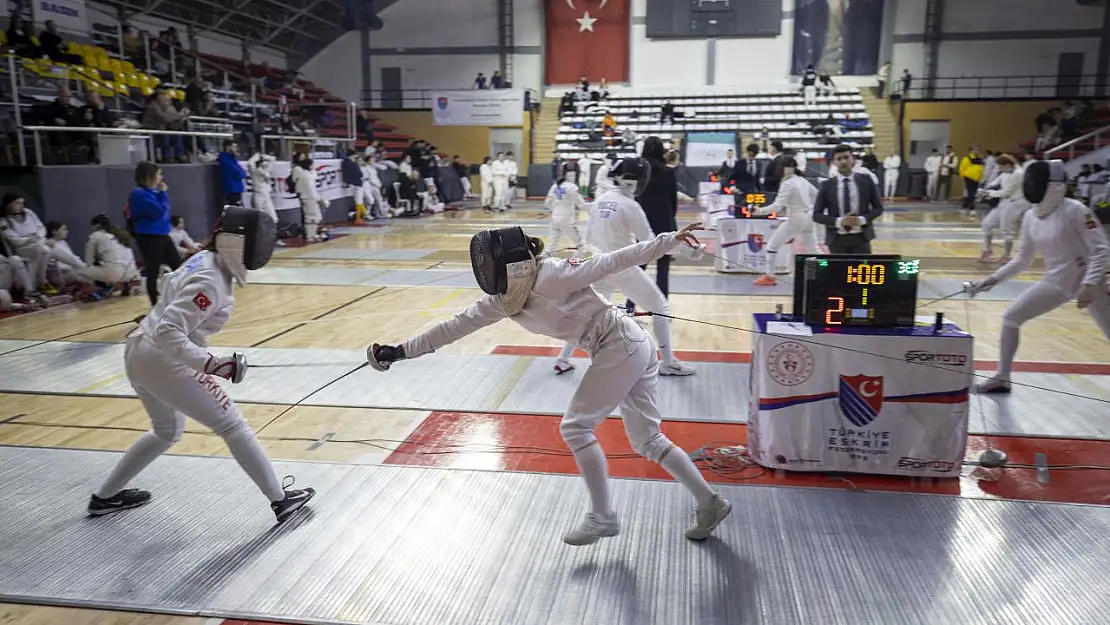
(782, 112)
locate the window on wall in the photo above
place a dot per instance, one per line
(1069, 74)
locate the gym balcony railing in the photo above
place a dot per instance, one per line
(1002, 87)
(416, 99)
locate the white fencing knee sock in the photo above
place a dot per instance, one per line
(247, 451)
(595, 471)
(678, 463)
(662, 328)
(988, 240)
(1007, 244)
(138, 457)
(769, 269)
(567, 350)
(1007, 349)
(310, 231)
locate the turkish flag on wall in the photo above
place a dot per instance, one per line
(586, 37)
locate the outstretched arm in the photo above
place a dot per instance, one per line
(574, 274)
(482, 313)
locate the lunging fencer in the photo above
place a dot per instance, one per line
(168, 364)
(796, 197)
(564, 200)
(553, 297)
(1076, 253)
(617, 221)
(1009, 212)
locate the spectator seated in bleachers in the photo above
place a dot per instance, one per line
(20, 40)
(50, 44)
(160, 114)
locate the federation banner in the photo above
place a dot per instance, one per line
(743, 243)
(70, 15)
(478, 107)
(586, 38)
(894, 405)
(329, 183)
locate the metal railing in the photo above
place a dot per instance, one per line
(317, 147)
(1002, 87)
(146, 134)
(1101, 138)
(403, 99)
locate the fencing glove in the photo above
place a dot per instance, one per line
(233, 367)
(382, 357)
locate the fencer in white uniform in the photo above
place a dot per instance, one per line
(485, 179)
(564, 200)
(262, 183)
(174, 375)
(932, 175)
(604, 181)
(312, 203)
(109, 256)
(616, 221)
(553, 297)
(500, 170)
(1076, 253)
(513, 170)
(892, 168)
(795, 199)
(1009, 212)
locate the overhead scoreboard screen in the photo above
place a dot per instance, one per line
(679, 19)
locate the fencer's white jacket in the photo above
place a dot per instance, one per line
(932, 164)
(22, 232)
(795, 199)
(513, 169)
(1010, 189)
(604, 183)
(892, 162)
(617, 221)
(258, 168)
(500, 170)
(370, 174)
(304, 181)
(1072, 243)
(562, 304)
(564, 201)
(485, 172)
(103, 248)
(195, 302)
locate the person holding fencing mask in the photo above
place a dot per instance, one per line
(564, 200)
(168, 364)
(1070, 239)
(553, 297)
(617, 221)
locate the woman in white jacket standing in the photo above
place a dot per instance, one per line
(485, 173)
(262, 186)
(312, 204)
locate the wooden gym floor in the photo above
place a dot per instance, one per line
(308, 316)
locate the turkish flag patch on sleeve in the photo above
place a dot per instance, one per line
(202, 301)
(575, 261)
(1090, 221)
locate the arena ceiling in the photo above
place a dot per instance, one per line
(299, 28)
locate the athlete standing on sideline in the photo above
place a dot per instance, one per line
(796, 198)
(553, 297)
(168, 364)
(1070, 239)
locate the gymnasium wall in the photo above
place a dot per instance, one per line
(471, 143)
(994, 126)
(207, 43)
(987, 38)
(436, 45)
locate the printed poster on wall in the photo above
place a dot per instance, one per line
(837, 36)
(329, 183)
(70, 15)
(708, 149)
(478, 107)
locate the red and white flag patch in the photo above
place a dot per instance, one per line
(575, 261)
(202, 301)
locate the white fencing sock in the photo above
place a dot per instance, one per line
(310, 231)
(592, 465)
(678, 463)
(566, 352)
(770, 260)
(662, 328)
(1007, 349)
(138, 457)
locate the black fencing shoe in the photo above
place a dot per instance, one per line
(124, 500)
(294, 500)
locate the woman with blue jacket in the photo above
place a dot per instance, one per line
(149, 211)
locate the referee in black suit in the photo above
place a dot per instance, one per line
(847, 205)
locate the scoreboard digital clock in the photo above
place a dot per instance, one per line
(745, 205)
(831, 291)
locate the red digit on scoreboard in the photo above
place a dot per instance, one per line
(838, 302)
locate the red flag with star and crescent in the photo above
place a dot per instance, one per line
(586, 37)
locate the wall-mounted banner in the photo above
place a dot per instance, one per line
(70, 15)
(588, 39)
(708, 149)
(329, 183)
(478, 107)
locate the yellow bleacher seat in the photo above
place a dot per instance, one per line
(92, 62)
(3, 37)
(75, 48)
(146, 91)
(115, 66)
(128, 67)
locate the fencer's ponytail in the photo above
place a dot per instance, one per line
(105, 224)
(535, 246)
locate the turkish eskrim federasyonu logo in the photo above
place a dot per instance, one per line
(790, 363)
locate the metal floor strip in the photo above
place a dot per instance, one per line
(384, 544)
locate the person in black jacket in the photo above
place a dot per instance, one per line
(660, 203)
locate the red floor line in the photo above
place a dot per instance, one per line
(1086, 368)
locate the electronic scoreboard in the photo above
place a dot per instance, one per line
(845, 290)
(745, 205)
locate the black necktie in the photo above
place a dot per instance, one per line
(846, 206)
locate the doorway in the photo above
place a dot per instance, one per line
(926, 136)
(393, 96)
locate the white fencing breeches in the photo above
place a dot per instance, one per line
(797, 227)
(931, 185)
(1007, 218)
(13, 273)
(1035, 301)
(623, 373)
(170, 391)
(500, 192)
(487, 193)
(358, 194)
(465, 182)
(310, 211)
(378, 204)
(809, 95)
(565, 227)
(890, 182)
(112, 273)
(637, 285)
(263, 200)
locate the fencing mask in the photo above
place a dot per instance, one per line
(504, 265)
(1044, 184)
(244, 240)
(570, 173)
(632, 176)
